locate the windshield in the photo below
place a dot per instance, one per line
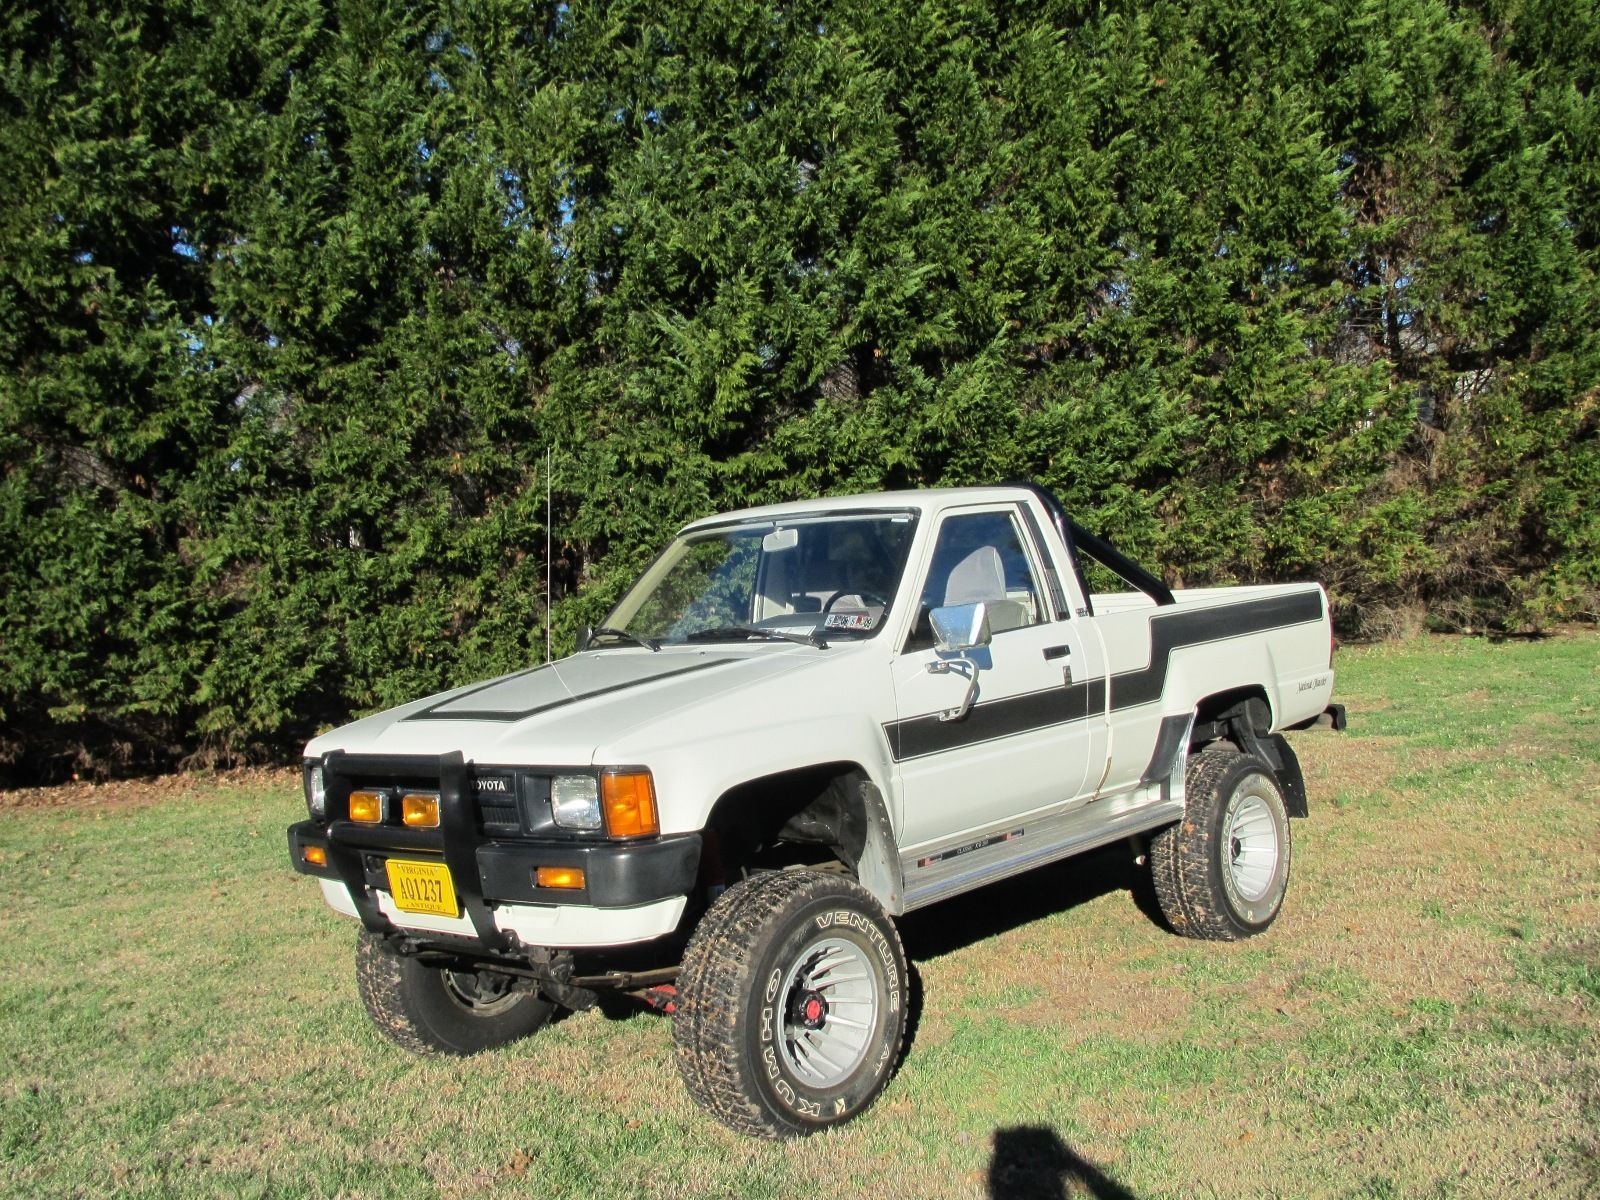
(822, 577)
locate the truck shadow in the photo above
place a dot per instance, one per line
(960, 922)
(955, 924)
(1031, 1162)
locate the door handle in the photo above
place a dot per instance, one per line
(1054, 652)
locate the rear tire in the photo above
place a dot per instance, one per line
(1221, 873)
(791, 1004)
(434, 1010)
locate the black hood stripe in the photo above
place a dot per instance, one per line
(486, 685)
(917, 737)
(438, 711)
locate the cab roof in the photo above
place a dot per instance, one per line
(922, 501)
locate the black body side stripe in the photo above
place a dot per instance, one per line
(917, 737)
(438, 712)
(1170, 631)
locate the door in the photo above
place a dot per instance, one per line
(1036, 737)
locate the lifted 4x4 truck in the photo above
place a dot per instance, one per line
(802, 722)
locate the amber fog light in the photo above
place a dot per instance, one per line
(559, 877)
(366, 808)
(420, 810)
(315, 856)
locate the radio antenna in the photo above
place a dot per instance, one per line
(547, 491)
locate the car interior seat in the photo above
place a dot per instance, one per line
(980, 577)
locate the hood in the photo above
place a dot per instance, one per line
(557, 714)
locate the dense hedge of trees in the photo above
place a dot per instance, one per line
(298, 298)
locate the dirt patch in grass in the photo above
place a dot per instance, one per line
(143, 793)
(1128, 1008)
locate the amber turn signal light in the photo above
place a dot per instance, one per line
(559, 877)
(316, 856)
(628, 799)
(420, 810)
(366, 807)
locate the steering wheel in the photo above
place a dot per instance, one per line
(865, 597)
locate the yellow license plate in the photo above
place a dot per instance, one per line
(422, 887)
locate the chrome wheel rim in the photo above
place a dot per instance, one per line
(830, 1008)
(1250, 848)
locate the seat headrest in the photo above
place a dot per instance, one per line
(980, 576)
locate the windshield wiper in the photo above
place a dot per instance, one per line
(724, 632)
(624, 636)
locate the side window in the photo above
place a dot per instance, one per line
(979, 557)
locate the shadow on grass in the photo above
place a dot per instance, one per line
(955, 924)
(997, 908)
(1031, 1162)
(963, 921)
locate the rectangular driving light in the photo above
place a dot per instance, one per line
(629, 800)
(366, 808)
(314, 856)
(420, 810)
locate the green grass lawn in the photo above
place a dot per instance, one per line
(178, 1013)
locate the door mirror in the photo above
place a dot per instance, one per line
(958, 628)
(585, 636)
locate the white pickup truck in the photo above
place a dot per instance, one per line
(804, 721)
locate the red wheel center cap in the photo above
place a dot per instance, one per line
(813, 1009)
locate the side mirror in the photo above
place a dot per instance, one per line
(958, 628)
(585, 636)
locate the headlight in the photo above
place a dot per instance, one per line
(575, 801)
(316, 792)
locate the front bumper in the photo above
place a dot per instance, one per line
(554, 926)
(616, 875)
(631, 888)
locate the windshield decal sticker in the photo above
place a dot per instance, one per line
(852, 620)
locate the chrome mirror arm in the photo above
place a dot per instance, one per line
(949, 667)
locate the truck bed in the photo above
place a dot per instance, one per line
(1106, 603)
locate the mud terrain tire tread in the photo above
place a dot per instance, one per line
(719, 977)
(410, 1005)
(1185, 859)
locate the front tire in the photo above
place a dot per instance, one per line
(431, 1009)
(791, 1004)
(1221, 873)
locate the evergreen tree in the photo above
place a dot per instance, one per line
(297, 301)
